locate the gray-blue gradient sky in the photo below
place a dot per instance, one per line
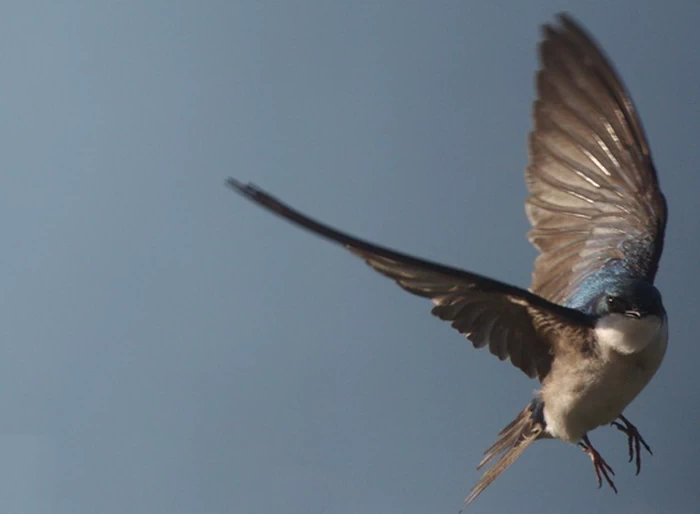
(169, 348)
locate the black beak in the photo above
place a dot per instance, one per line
(633, 314)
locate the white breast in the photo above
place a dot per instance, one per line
(584, 393)
(627, 335)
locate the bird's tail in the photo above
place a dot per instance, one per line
(512, 442)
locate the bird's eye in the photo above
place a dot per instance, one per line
(616, 304)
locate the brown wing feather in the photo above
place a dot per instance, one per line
(513, 323)
(594, 196)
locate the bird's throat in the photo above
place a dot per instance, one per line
(628, 335)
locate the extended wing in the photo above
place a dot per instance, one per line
(594, 196)
(512, 322)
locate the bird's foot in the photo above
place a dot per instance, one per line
(602, 469)
(634, 440)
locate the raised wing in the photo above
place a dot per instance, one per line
(515, 324)
(594, 195)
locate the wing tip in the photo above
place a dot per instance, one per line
(239, 187)
(565, 18)
(561, 19)
(564, 25)
(257, 195)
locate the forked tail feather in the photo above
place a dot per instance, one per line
(512, 442)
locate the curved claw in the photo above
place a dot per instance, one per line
(602, 469)
(635, 441)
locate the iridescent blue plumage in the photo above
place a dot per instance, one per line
(614, 281)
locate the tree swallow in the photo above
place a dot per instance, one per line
(592, 327)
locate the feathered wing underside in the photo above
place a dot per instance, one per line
(486, 316)
(594, 195)
(513, 440)
(513, 323)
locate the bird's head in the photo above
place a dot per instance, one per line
(633, 299)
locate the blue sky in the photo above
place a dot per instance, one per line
(169, 348)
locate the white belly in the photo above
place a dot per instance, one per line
(587, 392)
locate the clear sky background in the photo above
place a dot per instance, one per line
(169, 348)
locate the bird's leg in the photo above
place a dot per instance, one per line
(599, 465)
(634, 440)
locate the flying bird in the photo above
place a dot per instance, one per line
(592, 328)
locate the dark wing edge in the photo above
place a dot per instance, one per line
(514, 323)
(594, 191)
